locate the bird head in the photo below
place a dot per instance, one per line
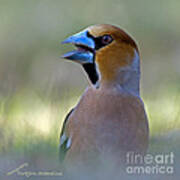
(104, 51)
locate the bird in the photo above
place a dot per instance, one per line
(110, 118)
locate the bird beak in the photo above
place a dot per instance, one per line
(85, 48)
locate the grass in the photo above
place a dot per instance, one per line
(163, 108)
(30, 126)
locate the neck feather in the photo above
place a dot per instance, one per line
(128, 78)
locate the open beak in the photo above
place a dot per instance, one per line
(85, 48)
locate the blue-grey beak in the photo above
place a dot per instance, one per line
(85, 48)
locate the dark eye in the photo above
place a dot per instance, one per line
(106, 39)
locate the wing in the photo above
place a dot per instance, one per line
(65, 142)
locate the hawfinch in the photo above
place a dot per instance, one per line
(110, 119)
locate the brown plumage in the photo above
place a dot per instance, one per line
(109, 119)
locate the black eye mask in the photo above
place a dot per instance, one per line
(101, 41)
(90, 68)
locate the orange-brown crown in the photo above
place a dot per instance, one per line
(119, 53)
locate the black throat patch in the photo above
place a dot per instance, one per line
(91, 68)
(91, 71)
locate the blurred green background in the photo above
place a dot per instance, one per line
(37, 87)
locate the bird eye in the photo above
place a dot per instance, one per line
(106, 39)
